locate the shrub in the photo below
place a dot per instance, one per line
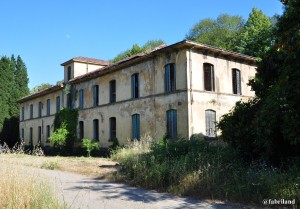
(89, 145)
(58, 137)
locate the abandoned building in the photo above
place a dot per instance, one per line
(176, 90)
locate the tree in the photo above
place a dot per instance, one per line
(275, 121)
(4, 93)
(256, 37)
(89, 145)
(40, 87)
(21, 78)
(222, 32)
(136, 49)
(59, 136)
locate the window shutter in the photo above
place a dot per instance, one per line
(210, 121)
(238, 82)
(167, 78)
(172, 124)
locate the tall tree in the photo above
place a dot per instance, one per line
(222, 32)
(256, 37)
(21, 78)
(4, 93)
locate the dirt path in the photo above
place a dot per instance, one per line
(87, 193)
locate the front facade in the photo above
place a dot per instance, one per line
(174, 91)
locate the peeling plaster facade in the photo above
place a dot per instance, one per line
(190, 100)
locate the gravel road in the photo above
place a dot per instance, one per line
(81, 192)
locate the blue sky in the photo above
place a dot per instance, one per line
(48, 33)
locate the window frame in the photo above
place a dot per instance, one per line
(112, 91)
(48, 107)
(171, 123)
(209, 77)
(135, 127)
(81, 99)
(40, 110)
(236, 81)
(135, 89)
(170, 77)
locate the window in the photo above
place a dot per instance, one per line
(112, 128)
(40, 109)
(96, 129)
(30, 136)
(96, 95)
(81, 99)
(112, 91)
(48, 107)
(172, 124)
(209, 77)
(170, 78)
(23, 112)
(57, 103)
(22, 135)
(136, 126)
(69, 101)
(48, 133)
(69, 71)
(39, 135)
(210, 121)
(81, 130)
(236, 81)
(31, 111)
(135, 86)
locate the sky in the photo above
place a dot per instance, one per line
(48, 33)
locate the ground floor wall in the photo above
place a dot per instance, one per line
(152, 111)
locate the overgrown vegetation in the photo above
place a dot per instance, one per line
(204, 170)
(89, 145)
(19, 189)
(66, 121)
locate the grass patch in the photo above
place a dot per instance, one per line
(205, 170)
(18, 190)
(51, 165)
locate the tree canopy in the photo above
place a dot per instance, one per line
(138, 49)
(268, 127)
(40, 87)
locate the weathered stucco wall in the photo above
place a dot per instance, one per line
(222, 100)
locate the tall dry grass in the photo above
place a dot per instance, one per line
(19, 189)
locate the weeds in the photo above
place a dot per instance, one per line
(50, 165)
(204, 170)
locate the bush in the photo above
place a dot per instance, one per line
(89, 145)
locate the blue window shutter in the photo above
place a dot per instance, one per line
(133, 86)
(136, 126)
(167, 78)
(172, 124)
(238, 82)
(173, 78)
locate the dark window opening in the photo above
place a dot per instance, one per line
(69, 101)
(236, 81)
(170, 77)
(210, 122)
(40, 109)
(135, 86)
(96, 129)
(39, 135)
(23, 112)
(112, 90)
(48, 133)
(172, 124)
(57, 103)
(30, 136)
(48, 107)
(96, 95)
(136, 127)
(209, 77)
(69, 71)
(31, 111)
(81, 130)
(112, 128)
(22, 135)
(81, 99)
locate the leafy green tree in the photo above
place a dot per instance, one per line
(256, 37)
(136, 49)
(40, 87)
(59, 136)
(273, 129)
(222, 32)
(21, 78)
(89, 145)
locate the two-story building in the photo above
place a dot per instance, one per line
(176, 90)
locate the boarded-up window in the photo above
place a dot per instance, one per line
(172, 124)
(58, 104)
(135, 86)
(96, 95)
(136, 127)
(170, 77)
(112, 91)
(210, 121)
(236, 81)
(48, 107)
(81, 99)
(112, 128)
(81, 130)
(209, 77)
(96, 129)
